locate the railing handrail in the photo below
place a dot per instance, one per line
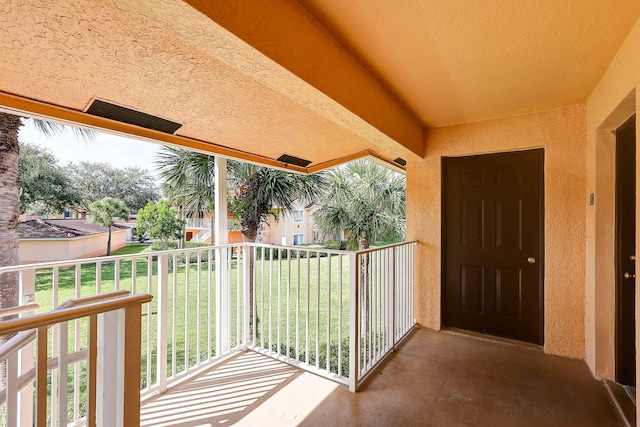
(70, 263)
(389, 246)
(19, 309)
(13, 326)
(25, 337)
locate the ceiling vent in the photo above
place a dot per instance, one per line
(401, 161)
(292, 160)
(127, 115)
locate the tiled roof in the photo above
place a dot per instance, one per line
(59, 228)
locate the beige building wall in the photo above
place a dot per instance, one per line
(283, 231)
(560, 133)
(611, 103)
(45, 250)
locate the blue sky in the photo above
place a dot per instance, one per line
(116, 150)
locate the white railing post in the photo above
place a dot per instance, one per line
(392, 300)
(354, 316)
(110, 372)
(27, 282)
(163, 323)
(221, 238)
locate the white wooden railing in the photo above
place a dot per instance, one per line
(316, 309)
(111, 363)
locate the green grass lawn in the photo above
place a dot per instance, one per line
(313, 285)
(192, 303)
(132, 248)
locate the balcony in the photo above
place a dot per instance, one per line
(311, 309)
(433, 379)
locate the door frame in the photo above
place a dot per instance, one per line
(541, 233)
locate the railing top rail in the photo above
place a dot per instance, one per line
(141, 255)
(298, 248)
(10, 311)
(13, 326)
(393, 245)
(76, 302)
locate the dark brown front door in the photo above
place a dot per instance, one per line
(492, 255)
(625, 253)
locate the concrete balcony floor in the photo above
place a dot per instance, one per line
(434, 379)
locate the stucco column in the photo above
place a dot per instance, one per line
(221, 234)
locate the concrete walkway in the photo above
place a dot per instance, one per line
(434, 379)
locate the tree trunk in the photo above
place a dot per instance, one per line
(181, 242)
(10, 197)
(109, 242)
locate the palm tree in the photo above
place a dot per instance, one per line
(257, 190)
(10, 195)
(105, 212)
(365, 200)
(189, 181)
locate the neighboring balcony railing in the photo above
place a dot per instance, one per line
(313, 308)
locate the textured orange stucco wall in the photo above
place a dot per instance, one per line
(612, 102)
(561, 133)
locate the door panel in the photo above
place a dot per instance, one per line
(492, 244)
(625, 250)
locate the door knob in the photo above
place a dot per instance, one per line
(628, 275)
(531, 260)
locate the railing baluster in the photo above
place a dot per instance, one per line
(308, 312)
(198, 302)
(174, 313)
(262, 257)
(288, 309)
(162, 303)
(239, 306)
(328, 358)
(54, 349)
(41, 376)
(354, 323)
(187, 269)
(149, 322)
(278, 348)
(98, 277)
(12, 390)
(340, 298)
(270, 341)
(134, 276)
(210, 317)
(317, 309)
(63, 350)
(76, 348)
(116, 275)
(298, 305)
(92, 358)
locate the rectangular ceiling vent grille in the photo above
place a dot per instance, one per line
(127, 115)
(292, 160)
(401, 161)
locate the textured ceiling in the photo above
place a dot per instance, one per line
(320, 80)
(467, 60)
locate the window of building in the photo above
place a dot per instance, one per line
(298, 215)
(298, 239)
